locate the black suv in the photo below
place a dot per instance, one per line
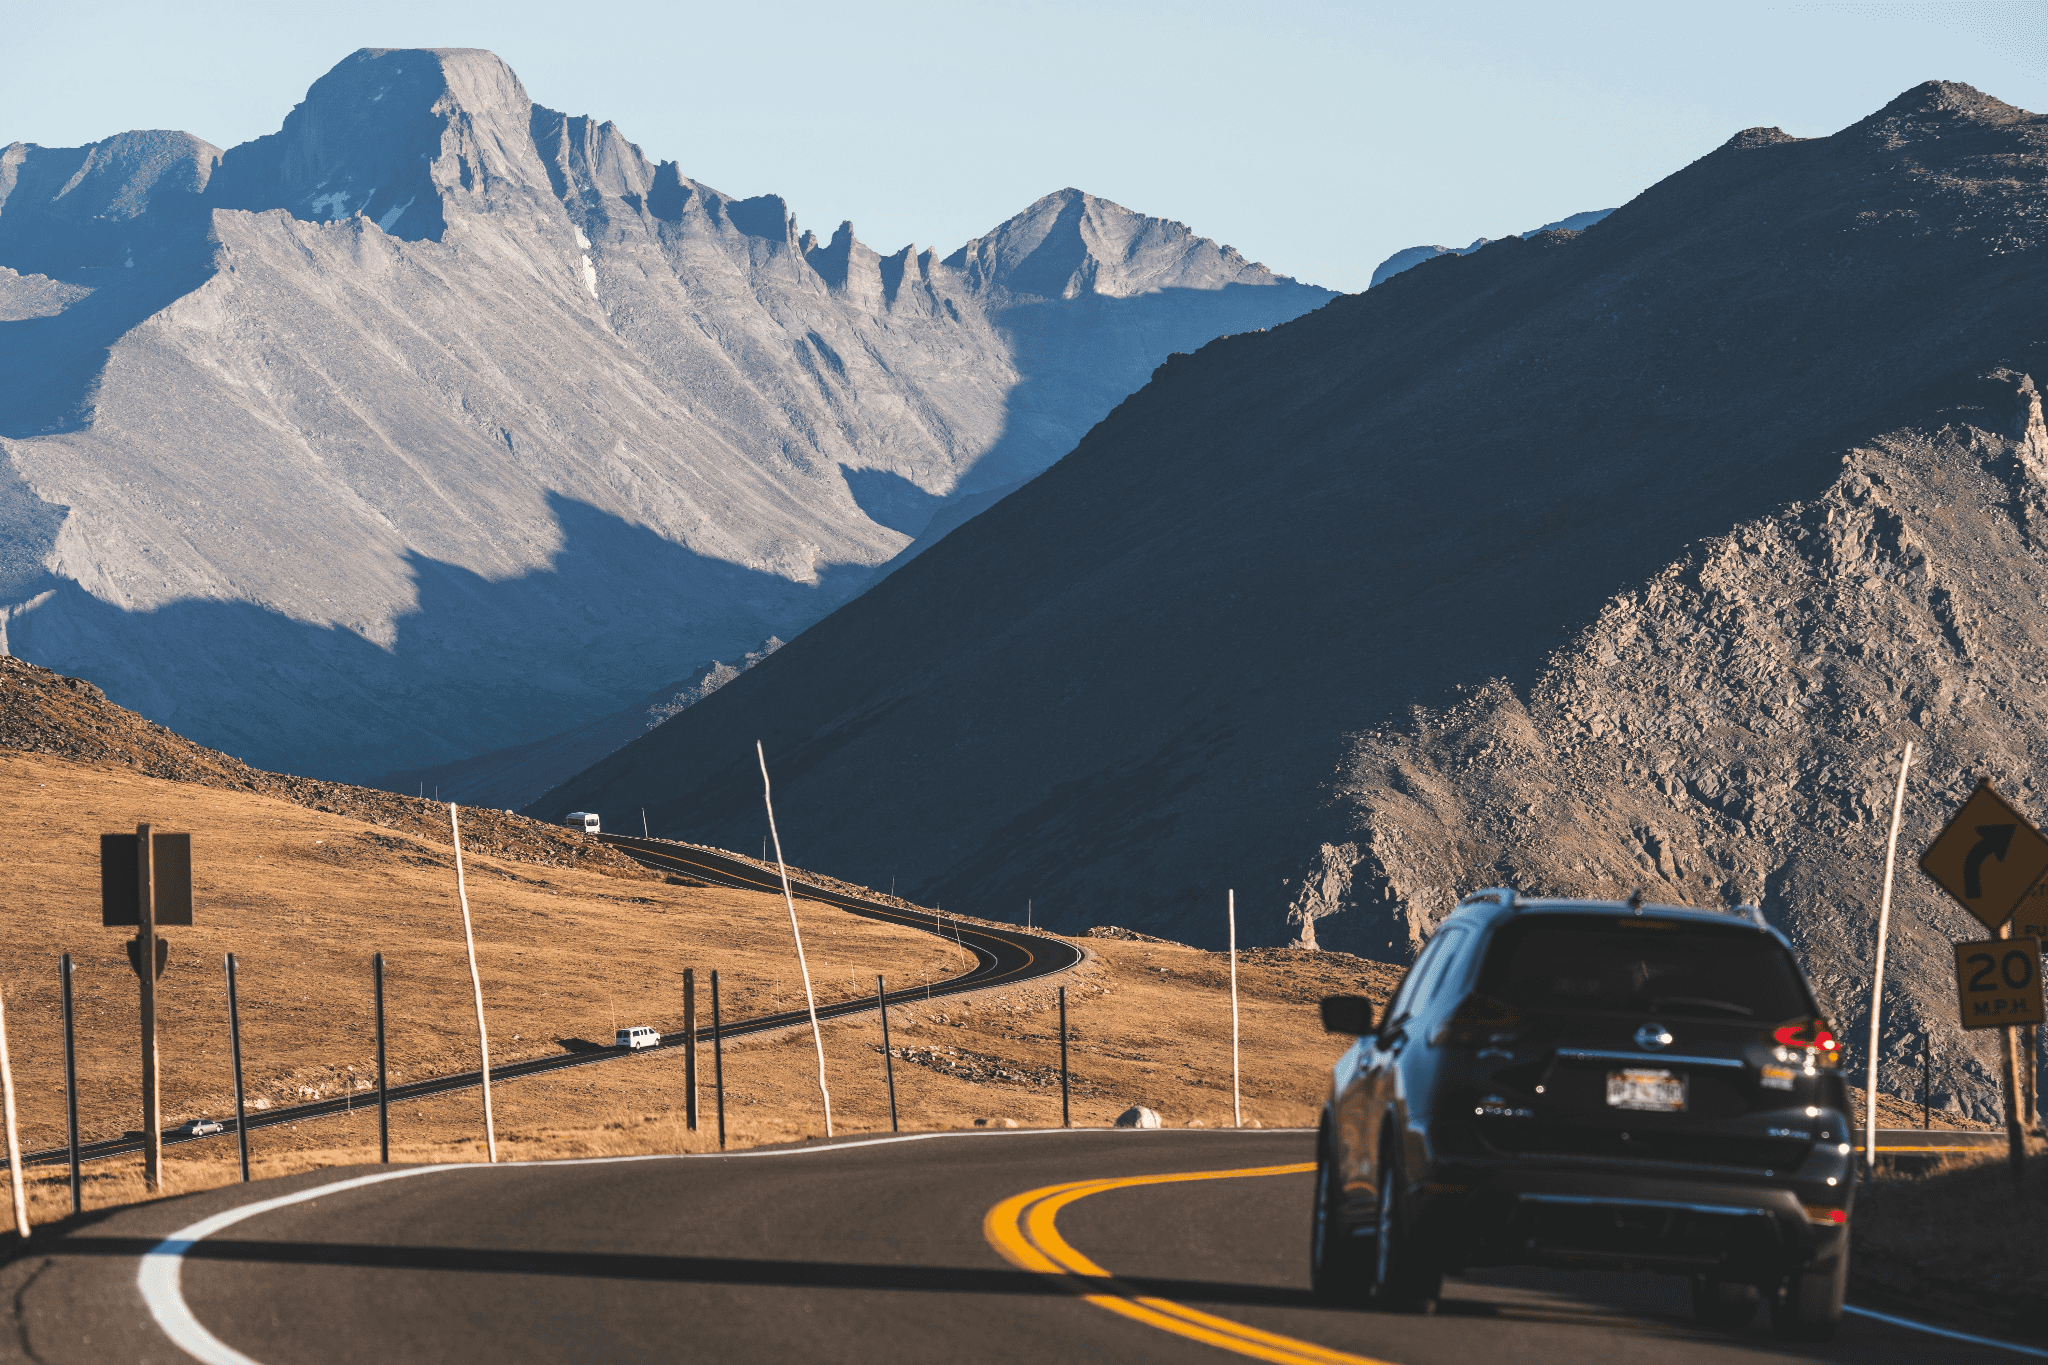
(1591, 1083)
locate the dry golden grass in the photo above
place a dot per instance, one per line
(1893, 1112)
(1956, 1239)
(303, 898)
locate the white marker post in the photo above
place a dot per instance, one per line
(817, 1038)
(483, 1037)
(13, 1147)
(1236, 1104)
(1884, 915)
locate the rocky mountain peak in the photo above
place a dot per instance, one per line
(394, 135)
(588, 161)
(844, 261)
(1943, 100)
(629, 396)
(63, 207)
(1071, 243)
(1933, 110)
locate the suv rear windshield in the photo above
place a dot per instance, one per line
(1641, 963)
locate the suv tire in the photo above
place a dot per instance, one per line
(1338, 1268)
(1724, 1305)
(1808, 1306)
(1405, 1279)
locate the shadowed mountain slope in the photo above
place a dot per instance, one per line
(439, 421)
(1590, 560)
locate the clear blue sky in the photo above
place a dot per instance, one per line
(1316, 137)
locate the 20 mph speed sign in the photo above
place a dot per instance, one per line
(1999, 982)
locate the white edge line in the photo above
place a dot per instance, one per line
(1994, 1342)
(163, 1264)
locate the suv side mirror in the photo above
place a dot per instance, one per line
(1350, 1014)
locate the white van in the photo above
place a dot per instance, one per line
(581, 819)
(635, 1038)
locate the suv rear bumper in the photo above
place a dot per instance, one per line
(1535, 1215)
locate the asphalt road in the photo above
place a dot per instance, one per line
(904, 1250)
(1002, 957)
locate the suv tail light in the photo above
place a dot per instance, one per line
(1807, 1042)
(1481, 1021)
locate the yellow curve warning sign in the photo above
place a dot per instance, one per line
(1988, 857)
(1999, 982)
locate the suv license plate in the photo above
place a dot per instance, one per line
(1661, 1092)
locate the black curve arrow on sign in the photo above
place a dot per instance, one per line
(1992, 841)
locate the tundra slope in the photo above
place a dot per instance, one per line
(439, 421)
(1587, 561)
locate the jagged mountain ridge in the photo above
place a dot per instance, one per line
(1586, 561)
(439, 421)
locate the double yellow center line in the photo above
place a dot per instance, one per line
(1024, 1229)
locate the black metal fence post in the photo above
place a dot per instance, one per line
(718, 1059)
(888, 1058)
(1066, 1105)
(235, 1049)
(383, 1086)
(690, 1046)
(71, 1086)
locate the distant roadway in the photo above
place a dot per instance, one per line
(1026, 1246)
(1002, 957)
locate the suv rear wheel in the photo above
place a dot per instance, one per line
(1723, 1304)
(1337, 1268)
(1405, 1280)
(1808, 1306)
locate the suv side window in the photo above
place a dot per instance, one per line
(1449, 963)
(1414, 986)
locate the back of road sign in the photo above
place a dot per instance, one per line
(171, 859)
(1999, 982)
(1988, 857)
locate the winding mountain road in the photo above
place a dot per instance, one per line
(1027, 1246)
(1002, 957)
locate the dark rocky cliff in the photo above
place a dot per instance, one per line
(1587, 561)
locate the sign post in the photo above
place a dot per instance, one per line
(146, 881)
(146, 971)
(235, 1057)
(71, 1085)
(690, 1047)
(1884, 919)
(1989, 857)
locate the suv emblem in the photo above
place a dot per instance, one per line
(1651, 1037)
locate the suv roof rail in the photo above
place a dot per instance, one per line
(1493, 895)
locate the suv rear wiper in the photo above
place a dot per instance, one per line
(1724, 1006)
